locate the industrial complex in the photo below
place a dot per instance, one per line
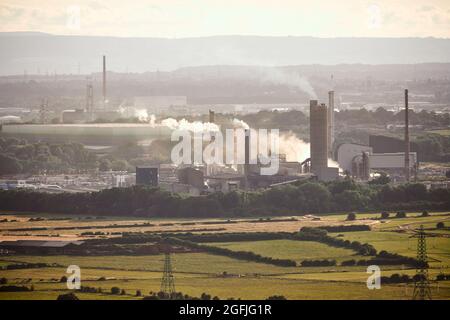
(327, 161)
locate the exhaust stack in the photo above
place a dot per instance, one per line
(104, 79)
(330, 122)
(407, 146)
(318, 131)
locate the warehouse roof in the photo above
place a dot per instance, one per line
(39, 243)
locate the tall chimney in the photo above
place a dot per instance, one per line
(104, 79)
(407, 146)
(247, 152)
(211, 116)
(330, 122)
(318, 132)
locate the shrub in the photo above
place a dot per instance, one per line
(442, 276)
(351, 216)
(138, 293)
(275, 297)
(318, 263)
(346, 228)
(122, 293)
(115, 290)
(425, 213)
(440, 225)
(205, 296)
(3, 281)
(14, 289)
(384, 215)
(67, 296)
(63, 279)
(401, 214)
(351, 262)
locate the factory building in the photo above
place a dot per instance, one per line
(191, 176)
(41, 247)
(360, 161)
(73, 116)
(147, 176)
(159, 104)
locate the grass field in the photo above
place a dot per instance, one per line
(289, 249)
(443, 132)
(196, 273)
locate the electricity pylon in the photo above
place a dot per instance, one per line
(167, 281)
(422, 289)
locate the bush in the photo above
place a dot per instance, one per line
(442, 277)
(122, 293)
(63, 279)
(385, 215)
(67, 296)
(401, 214)
(205, 296)
(318, 263)
(115, 290)
(14, 289)
(351, 216)
(275, 297)
(440, 225)
(425, 213)
(344, 228)
(138, 293)
(3, 281)
(351, 262)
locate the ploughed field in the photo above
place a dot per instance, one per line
(198, 272)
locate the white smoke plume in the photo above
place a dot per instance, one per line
(195, 126)
(128, 112)
(240, 124)
(294, 148)
(333, 164)
(289, 78)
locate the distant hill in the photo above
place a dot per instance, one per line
(42, 53)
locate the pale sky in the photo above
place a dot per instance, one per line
(195, 18)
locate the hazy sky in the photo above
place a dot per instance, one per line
(192, 18)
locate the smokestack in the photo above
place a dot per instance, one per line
(407, 146)
(247, 152)
(90, 101)
(104, 79)
(318, 131)
(365, 166)
(330, 121)
(211, 116)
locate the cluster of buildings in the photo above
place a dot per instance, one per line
(327, 160)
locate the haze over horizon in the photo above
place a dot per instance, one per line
(200, 18)
(69, 37)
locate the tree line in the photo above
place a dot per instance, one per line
(19, 156)
(301, 198)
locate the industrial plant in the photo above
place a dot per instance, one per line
(96, 125)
